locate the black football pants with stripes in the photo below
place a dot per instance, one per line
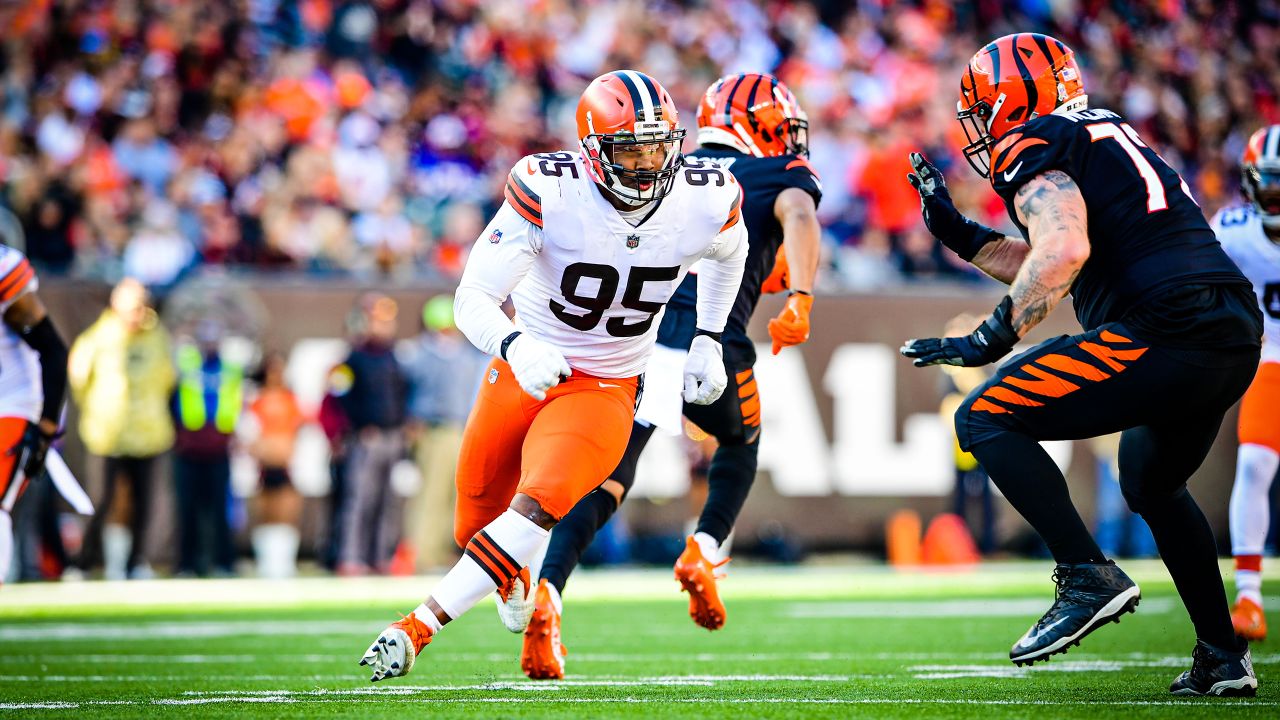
(1167, 403)
(734, 420)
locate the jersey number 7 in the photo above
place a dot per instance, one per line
(1130, 142)
(595, 305)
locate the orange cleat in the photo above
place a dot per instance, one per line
(1249, 620)
(393, 653)
(543, 655)
(698, 577)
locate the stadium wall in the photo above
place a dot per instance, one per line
(851, 431)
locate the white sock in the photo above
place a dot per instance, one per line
(1249, 585)
(535, 563)
(427, 617)
(117, 541)
(1250, 506)
(710, 548)
(512, 534)
(6, 545)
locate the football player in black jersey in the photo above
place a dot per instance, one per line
(753, 125)
(1171, 341)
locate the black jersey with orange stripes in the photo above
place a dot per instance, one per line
(1146, 233)
(762, 180)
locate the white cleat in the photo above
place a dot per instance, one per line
(393, 653)
(515, 602)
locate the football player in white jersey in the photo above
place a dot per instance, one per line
(589, 245)
(33, 383)
(1250, 234)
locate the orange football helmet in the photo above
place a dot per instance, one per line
(1010, 81)
(755, 114)
(625, 110)
(1260, 174)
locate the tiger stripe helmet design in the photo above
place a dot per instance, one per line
(1010, 81)
(1260, 174)
(624, 110)
(755, 114)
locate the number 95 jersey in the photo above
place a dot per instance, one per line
(587, 280)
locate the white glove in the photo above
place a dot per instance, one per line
(704, 376)
(537, 365)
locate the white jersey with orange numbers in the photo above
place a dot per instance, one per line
(1239, 229)
(584, 279)
(21, 394)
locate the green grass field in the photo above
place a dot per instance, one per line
(846, 641)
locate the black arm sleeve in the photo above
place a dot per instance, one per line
(44, 339)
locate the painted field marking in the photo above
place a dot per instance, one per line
(1009, 607)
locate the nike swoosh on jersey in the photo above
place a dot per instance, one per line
(528, 167)
(608, 385)
(1008, 174)
(1029, 638)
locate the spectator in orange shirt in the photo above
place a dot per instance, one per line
(278, 419)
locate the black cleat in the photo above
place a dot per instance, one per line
(1088, 596)
(1217, 672)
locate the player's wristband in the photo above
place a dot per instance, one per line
(506, 343)
(713, 335)
(979, 235)
(996, 333)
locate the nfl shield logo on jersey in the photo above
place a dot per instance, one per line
(633, 242)
(495, 237)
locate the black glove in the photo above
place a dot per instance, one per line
(32, 450)
(993, 339)
(956, 231)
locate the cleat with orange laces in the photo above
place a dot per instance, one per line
(542, 657)
(698, 577)
(393, 653)
(1249, 620)
(515, 601)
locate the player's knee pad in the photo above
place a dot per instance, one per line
(736, 462)
(1144, 497)
(976, 426)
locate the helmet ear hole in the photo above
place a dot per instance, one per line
(1016, 114)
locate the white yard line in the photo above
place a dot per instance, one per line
(285, 700)
(999, 607)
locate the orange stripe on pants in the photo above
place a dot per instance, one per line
(1259, 422)
(11, 429)
(555, 451)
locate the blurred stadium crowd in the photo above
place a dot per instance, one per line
(145, 138)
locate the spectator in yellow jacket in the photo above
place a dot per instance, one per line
(121, 375)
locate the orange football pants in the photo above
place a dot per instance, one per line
(1259, 422)
(11, 429)
(555, 451)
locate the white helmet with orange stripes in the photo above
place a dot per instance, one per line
(1260, 174)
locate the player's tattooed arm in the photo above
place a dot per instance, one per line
(1053, 210)
(1001, 259)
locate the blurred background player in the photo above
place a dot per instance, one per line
(556, 406)
(374, 406)
(1171, 340)
(753, 125)
(443, 372)
(122, 376)
(32, 388)
(1251, 236)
